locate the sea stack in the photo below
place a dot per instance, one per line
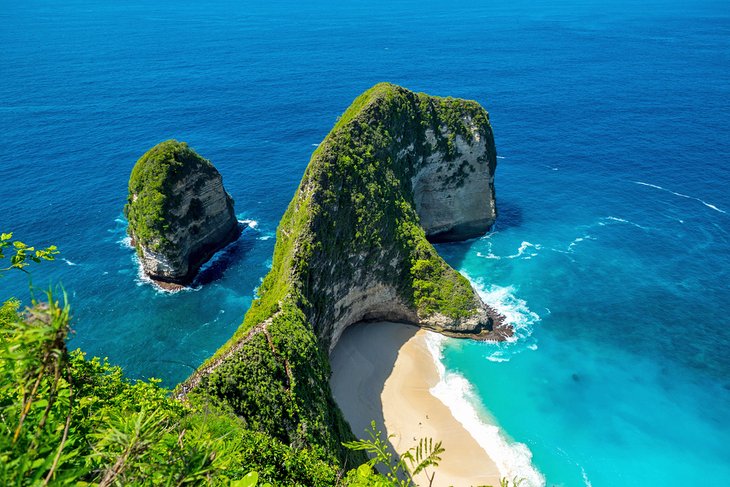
(179, 213)
(398, 171)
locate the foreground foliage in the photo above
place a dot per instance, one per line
(69, 420)
(66, 419)
(400, 470)
(22, 254)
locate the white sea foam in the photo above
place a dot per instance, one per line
(490, 255)
(613, 219)
(586, 480)
(265, 237)
(500, 157)
(126, 241)
(709, 205)
(578, 240)
(513, 460)
(68, 262)
(514, 309)
(249, 223)
(143, 280)
(524, 246)
(497, 357)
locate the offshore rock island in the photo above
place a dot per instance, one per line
(179, 213)
(398, 169)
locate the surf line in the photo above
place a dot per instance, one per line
(709, 205)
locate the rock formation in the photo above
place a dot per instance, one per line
(399, 168)
(453, 185)
(179, 214)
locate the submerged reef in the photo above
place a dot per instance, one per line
(179, 213)
(397, 170)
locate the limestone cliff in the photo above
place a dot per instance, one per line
(397, 169)
(179, 213)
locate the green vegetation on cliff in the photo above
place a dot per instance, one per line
(356, 199)
(352, 220)
(151, 194)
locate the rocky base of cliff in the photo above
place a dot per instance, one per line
(466, 231)
(196, 261)
(492, 327)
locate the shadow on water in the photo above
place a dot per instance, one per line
(509, 216)
(362, 361)
(216, 267)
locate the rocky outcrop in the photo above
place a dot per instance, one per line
(179, 213)
(454, 196)
(398, 170)
(399, 165)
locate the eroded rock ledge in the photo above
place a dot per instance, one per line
(397, 170)
(179, 213)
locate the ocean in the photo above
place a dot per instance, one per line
(611, 254)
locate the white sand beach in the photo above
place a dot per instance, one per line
(383, 371)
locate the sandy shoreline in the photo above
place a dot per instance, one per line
(383, 371)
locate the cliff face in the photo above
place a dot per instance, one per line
(454, 191)
(397, 169)
(179, 213)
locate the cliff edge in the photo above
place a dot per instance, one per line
(399, 168)
(179, 213)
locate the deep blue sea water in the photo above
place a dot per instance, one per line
(612, 249)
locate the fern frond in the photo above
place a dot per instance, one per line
(427, 454)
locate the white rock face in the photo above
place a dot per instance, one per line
(455, 199)
(209, 224)
(371, 301)
(375, 301)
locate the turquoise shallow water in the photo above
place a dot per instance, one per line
(612, 249)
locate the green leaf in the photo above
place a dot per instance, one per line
(364, 471)
(249, 480)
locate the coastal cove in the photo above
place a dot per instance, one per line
(385, 372)
(609, 256)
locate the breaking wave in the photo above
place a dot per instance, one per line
(513, 459)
